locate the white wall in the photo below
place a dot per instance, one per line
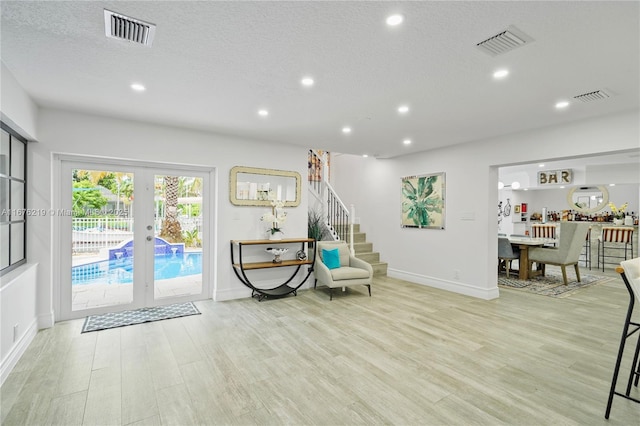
(466, 249)
(16, 107)
(18, 288)
(17, 315)
(67, 132)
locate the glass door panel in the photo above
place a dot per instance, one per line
(177, 255)
(99, 222)
(102, 249)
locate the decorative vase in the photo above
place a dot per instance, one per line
(277, 252)
(618, 222)
(275, 236)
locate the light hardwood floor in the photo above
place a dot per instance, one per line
(409, 355)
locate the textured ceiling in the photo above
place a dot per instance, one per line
(214, 64)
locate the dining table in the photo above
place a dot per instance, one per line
(523, 243)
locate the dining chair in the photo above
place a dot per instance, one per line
(571, 241)
(506, 254)
(612, 241)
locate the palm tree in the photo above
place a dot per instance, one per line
(171, 230)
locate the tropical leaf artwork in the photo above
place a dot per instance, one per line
(423, 201)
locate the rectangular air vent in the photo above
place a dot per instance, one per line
(125, 28)
(507, 40)
(596, 95)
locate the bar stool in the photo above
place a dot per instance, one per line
(630, 273)
(544, 231)
(614, 238)
(587, 250)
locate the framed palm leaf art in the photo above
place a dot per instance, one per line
(423, 201)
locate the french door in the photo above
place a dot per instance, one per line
(131, 236)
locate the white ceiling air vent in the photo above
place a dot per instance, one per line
(125, 28)
(596, 95)
(507, 40)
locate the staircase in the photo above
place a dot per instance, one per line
(364, 251)
(338, 219)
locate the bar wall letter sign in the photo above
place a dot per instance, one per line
(555, 177)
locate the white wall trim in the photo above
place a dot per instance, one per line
(241, 292)
(46, 320)
(456, 287)
(17, 351)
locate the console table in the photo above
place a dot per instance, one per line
(240, 267)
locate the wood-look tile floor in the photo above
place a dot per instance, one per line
(409, 355)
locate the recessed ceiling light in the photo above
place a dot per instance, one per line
(526, 189)
(307, 81)
(365, 155)
(540, 165)
(138, 87)
(346, 130)
(562, 186)
(394, 20)
(500, 74)
(612, 184)
(263, 112)
(403, 109)
(407, 141)
(562, 104)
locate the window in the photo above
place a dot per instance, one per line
(13, 196)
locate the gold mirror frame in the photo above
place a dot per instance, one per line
(233, 185)
(602, 205)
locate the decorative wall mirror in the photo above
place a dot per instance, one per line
(588, 199)
(250, 186)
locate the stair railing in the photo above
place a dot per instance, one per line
(339, 219)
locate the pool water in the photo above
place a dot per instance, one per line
(120, 271)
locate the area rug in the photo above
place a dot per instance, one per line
(551, 284)
(138, 316)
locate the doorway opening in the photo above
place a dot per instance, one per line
(136, 235)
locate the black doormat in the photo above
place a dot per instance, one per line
(138, 316)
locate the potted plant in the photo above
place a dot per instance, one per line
(618, 213)
(315, 227)
(276, 217)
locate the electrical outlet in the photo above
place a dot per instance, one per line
(15, 333)
(456, 274)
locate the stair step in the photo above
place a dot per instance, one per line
(356, 227)
(363, 247)
(379, 269)
(369, 257)
(358, 237)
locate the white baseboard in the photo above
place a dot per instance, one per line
(46, 320)
(243, 292)
(17, 351)
(453, 286)
(231, 294)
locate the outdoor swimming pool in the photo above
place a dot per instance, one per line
(120, 271)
